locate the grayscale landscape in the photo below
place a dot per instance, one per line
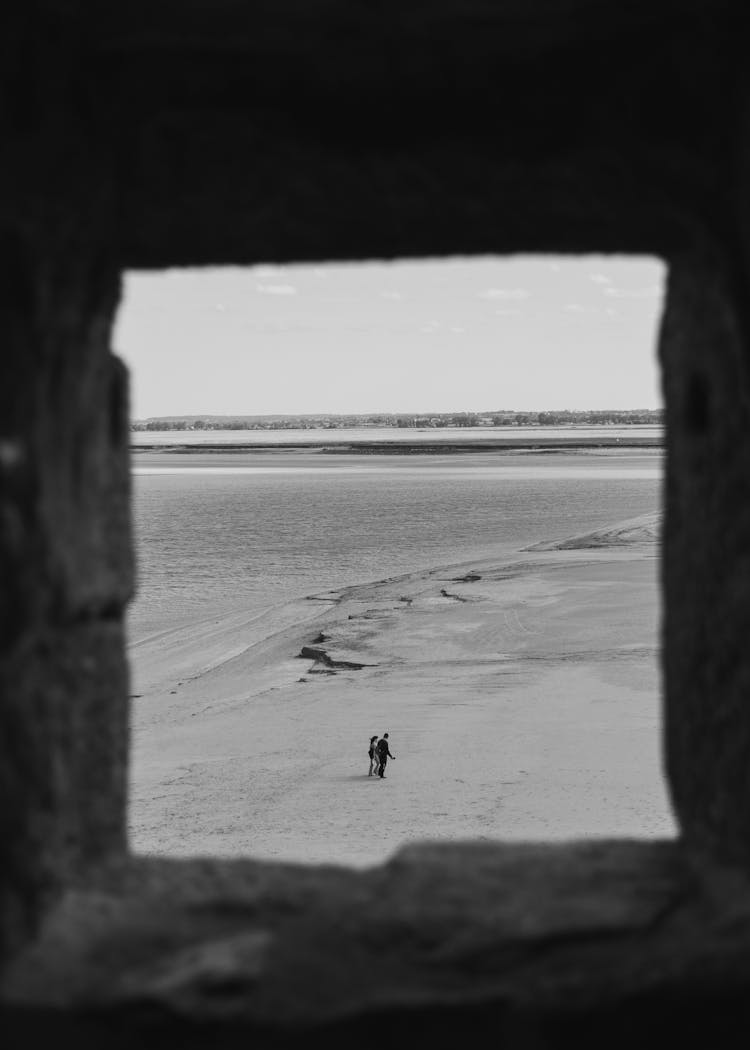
(422, 498)
(496, 612)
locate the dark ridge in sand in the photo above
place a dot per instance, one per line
(547, 445)
(645, 529)
(452, 597)
(339, 647)
(323, 663)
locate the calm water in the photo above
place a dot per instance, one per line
(453, 434)
(218, 533)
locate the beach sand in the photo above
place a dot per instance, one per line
(521, 696)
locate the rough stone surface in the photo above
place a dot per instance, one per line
(422, 129)
(175, 132)
(706, 559)
(65, 560)
(64, 735)
(451, 932)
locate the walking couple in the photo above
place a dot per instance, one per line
(379, 755)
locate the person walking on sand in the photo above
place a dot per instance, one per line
(374, 757)
(384, 753)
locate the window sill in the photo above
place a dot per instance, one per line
(495, 929)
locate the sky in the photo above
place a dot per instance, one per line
(462, 334)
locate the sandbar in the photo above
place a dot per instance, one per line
(521, 695)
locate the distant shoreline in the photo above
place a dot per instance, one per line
(406, 448)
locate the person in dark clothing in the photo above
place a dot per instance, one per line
(384, 754)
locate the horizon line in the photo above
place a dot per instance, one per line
(342, 415)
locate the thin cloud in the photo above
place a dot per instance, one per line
(504, 293)
(651, 292)
(575, 308)
(276, 289)
(600, 278)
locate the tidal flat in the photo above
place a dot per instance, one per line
(499, 618)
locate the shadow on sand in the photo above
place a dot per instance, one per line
(355, 776)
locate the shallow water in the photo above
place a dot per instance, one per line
(410, 434)
(217, 533)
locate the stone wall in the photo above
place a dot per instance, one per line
(65, 559)
(706, 559)
(175, 132)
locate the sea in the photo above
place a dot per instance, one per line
(425, 435)
(218, 532)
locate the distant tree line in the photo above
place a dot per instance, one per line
(496, 418)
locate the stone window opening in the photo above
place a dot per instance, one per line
(224, 928)
(154, 143)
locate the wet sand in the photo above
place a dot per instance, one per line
(521, 695)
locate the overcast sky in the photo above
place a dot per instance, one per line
(446, 335)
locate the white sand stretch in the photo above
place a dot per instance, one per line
(521, 697)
